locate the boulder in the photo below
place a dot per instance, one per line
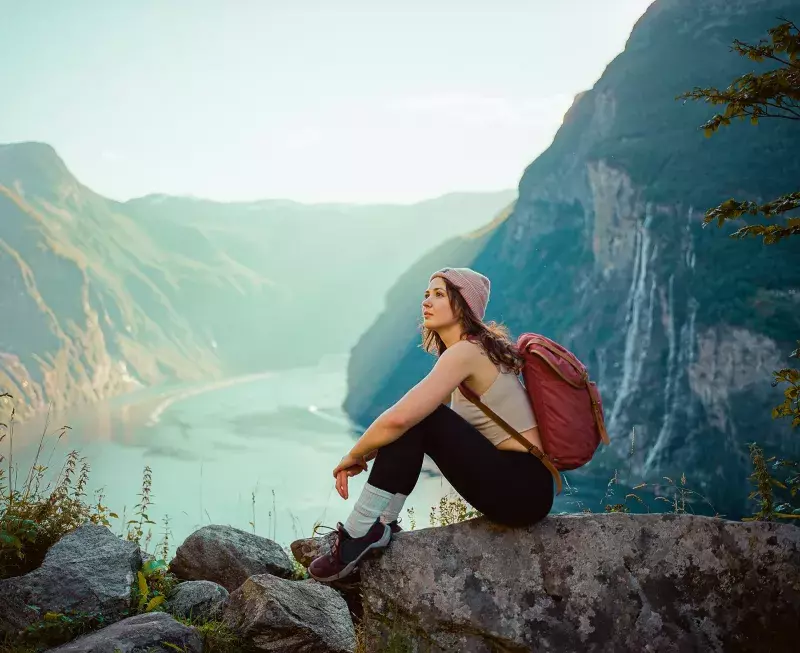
(228, 556)
(153, 632)
(89, 570)
(290, 616)
(200, 600)
(612, 582)
(308, 548)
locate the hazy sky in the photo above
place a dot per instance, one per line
(325, 100)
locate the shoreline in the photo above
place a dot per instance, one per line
(180, 395)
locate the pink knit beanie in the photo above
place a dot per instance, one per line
(473, 286)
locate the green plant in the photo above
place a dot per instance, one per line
(451, 510)
(162, 550)
(412, 520)
(299, 571)
(766, 484)
(681, 496)
(53, 629)
(56, 627)
(678, 495)
(136, 526)
(791, 403)
(774, 93)
(36, 513)
(153, 584)
(253, 508)
(217, 637)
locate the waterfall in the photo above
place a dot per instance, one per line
(671, 393)
(639, 321)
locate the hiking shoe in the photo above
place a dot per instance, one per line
(394, 526)
(347, 551)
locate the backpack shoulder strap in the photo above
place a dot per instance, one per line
(532, 448)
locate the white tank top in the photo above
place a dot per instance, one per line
(508, 398)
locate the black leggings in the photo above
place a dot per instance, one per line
(509, 487)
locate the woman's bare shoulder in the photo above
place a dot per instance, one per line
(468, 347)
(470, 351)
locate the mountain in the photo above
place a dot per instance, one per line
(101, 297)
(605, 251)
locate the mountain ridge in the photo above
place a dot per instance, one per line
(109, 296)
(605, 252)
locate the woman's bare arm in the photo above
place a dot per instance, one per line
(450, 370)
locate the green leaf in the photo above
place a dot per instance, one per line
(154, 603)
(7, 539)
(152, 566)
(143, 589)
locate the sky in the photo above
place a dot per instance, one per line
(357, 101)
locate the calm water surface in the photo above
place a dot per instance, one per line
(253, 450)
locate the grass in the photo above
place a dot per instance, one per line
(217, 637)
(34, 514)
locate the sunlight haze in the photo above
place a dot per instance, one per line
(352, 101)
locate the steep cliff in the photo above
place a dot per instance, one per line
(605, 251)
(88, 299)
(100, 297)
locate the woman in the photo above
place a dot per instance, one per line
(484, 464)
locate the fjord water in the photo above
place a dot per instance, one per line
(251, 449)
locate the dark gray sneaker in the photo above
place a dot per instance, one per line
(347, 551)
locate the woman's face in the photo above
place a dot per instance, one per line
(436, 310)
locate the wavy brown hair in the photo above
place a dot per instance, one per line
(494, 338)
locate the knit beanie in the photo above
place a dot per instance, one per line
(473, 286)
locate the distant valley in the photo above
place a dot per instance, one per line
(100, 297)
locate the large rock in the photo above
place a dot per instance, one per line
(154, 632)
(290, 616)
(199, 600)
(308, 548)
(657, 583)
(228, 556)
(89, 570)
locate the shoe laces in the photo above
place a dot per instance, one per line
(336, 540)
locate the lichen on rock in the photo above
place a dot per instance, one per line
(590, 583)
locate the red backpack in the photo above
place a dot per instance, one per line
(566, 404)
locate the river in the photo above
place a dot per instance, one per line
(253, 452)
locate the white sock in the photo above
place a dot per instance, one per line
(392, 511)
(370, 504)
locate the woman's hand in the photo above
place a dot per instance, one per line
(351, 461)
(349, 466)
